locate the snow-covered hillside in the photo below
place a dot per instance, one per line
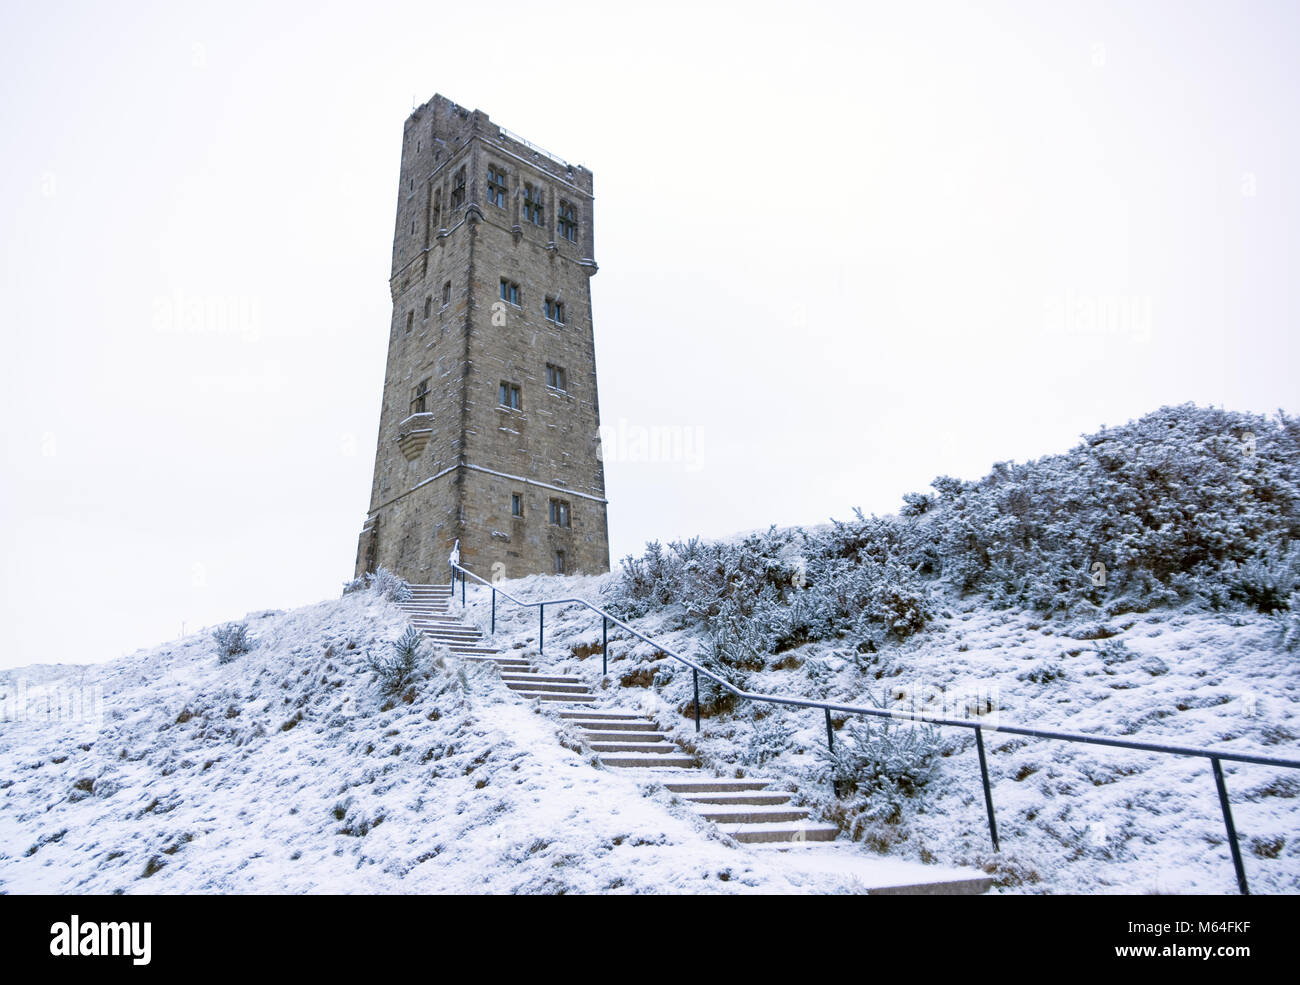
(285, 770)
(1072, 818)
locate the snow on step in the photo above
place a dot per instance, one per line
(556, 688)
(656, 748)
(591, 724)
(540, 677)
(646, 760)
(752, 814)
(624, 735)
(605, 716)
(713, 784)
(552, 696)
(743, 797)
(794, 831)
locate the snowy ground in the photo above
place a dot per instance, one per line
(285, 771)
(1072, 818)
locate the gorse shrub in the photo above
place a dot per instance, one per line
(877, 765)
(1187, 505)
(397, 670)
(388, 585)
(232, 639)
(1288, 624)
(383, 582)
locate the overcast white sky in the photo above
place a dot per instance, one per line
(849, 246)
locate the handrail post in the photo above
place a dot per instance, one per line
(696, 674)
(1232, 828)
(604, 646)
(541, 627)
(494, 610)
(462, 589)
(988, 791)
(830, 742)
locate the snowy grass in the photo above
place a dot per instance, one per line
(290, 771)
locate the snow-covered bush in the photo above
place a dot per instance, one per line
(397, 670)
(1267, 582)
(1288, 624)
(770, 738)
(1188, 505)
(388, 585)
(232, 639)
(877, 765)
(383, 582)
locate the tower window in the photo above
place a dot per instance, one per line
(568, 222)
(428, 306)
(559, 562)
(420, 397)
(516, 504)
(554, 310)
(496, 186)
(509, 291)
(559, 513)
(458, 189)
(533, 205)
(410, 320)
(446, 294)
(555, 377)
(509, 396)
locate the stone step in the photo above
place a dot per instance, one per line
(656, 748)
(554, 688)
(592, 724)
(713, 784)
(549, 680)
(754, 814)
(631, 760)
(796, 831)
(550, 696)
(448, 637)
(605, 716)
(743, 797)
(625, 735)
(501, 662)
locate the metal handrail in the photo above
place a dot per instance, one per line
(1215, 756)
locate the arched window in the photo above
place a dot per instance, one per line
(458, 189)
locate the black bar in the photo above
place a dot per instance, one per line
(1232, 828)
(494, 611)
(541, 627)
(988, 791)
(604, 646)
(696, 674)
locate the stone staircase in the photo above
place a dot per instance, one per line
(630, 742)
(745, 809)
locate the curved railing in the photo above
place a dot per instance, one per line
(1215, 756)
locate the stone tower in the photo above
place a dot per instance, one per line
(488, 433)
